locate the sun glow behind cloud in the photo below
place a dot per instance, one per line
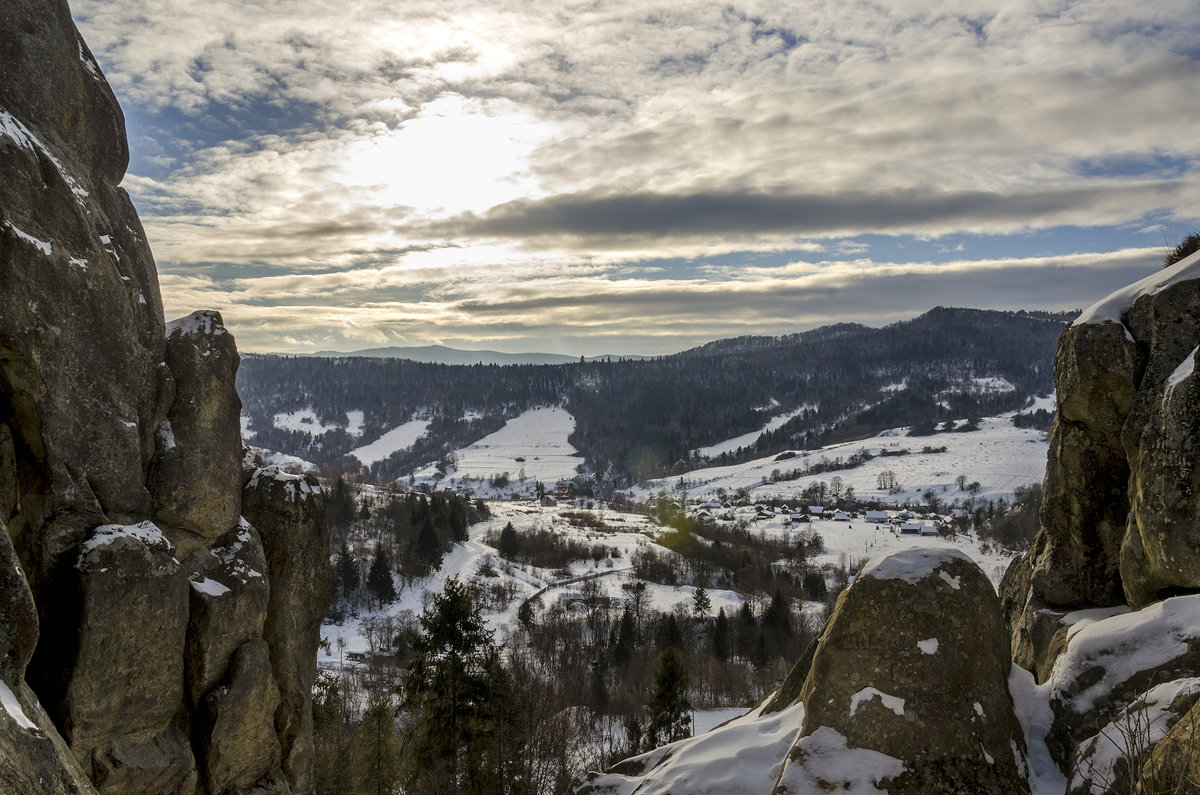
(657, 174)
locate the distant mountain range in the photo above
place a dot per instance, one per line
(635, 419)
(441, 354)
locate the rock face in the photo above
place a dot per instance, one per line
(1118, 521)
(910, 679)
(151, 639)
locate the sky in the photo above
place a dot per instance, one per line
(643, 176)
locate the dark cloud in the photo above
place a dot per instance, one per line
(656, 215)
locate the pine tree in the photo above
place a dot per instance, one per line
(379, 577)
(508, 546)
(701, 604)
(463, 700)
(345, 571)
(721, 636)
(377, 751)
(669, 710)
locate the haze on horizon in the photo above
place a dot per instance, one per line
(640, 178)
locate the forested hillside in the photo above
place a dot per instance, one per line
(647, 418)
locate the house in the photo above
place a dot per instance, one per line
(798, 516)
(911, 527)
(878, 517)
(563, 490)
(549, 502)
(816, 510)
(929, 530)
(841, 516)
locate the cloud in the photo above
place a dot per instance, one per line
(474, 171)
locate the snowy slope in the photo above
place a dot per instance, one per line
(999, 456)
(538, 436)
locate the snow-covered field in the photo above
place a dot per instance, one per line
(532, 446)
(746, 439)
(399, 438)
(999, 456)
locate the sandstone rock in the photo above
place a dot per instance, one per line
(1161, 554)
(105, 425)
(1174, 762)
(289, 513)
(82, 388)
(228, 606)
(18, 614)
(195, 478)
(910, 679)
(1085, 505)
(35, 758)
(109, 668)
(238, 740)
(1108, 664)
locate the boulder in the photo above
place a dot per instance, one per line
(289, 513)
(196, 475)
(908, 685)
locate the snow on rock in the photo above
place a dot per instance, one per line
(1112, 308)
(146, 532)
(399, 438)
(743, 756)
(822, 762)
(1138, 727)
(295, 486)
(894, 703)
(203, 322)
(209, 587)
(914, 564)
(40, 245)
(13, 707)
(929, 646)
(1108, 653)
(13, 128)
(1184, 371)
(1031, 702)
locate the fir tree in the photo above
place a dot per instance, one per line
(669, 710)
(701, 604)
(721, 636)
(462, 698)
(508, 545)
(345, 571)
(379, 577)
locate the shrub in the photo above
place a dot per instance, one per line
(1188, 246)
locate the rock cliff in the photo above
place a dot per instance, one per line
(159, 608)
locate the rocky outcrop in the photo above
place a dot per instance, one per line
(151, 640)
(289, 512)
(1118, 521)
(910, 680)
(195, 478)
